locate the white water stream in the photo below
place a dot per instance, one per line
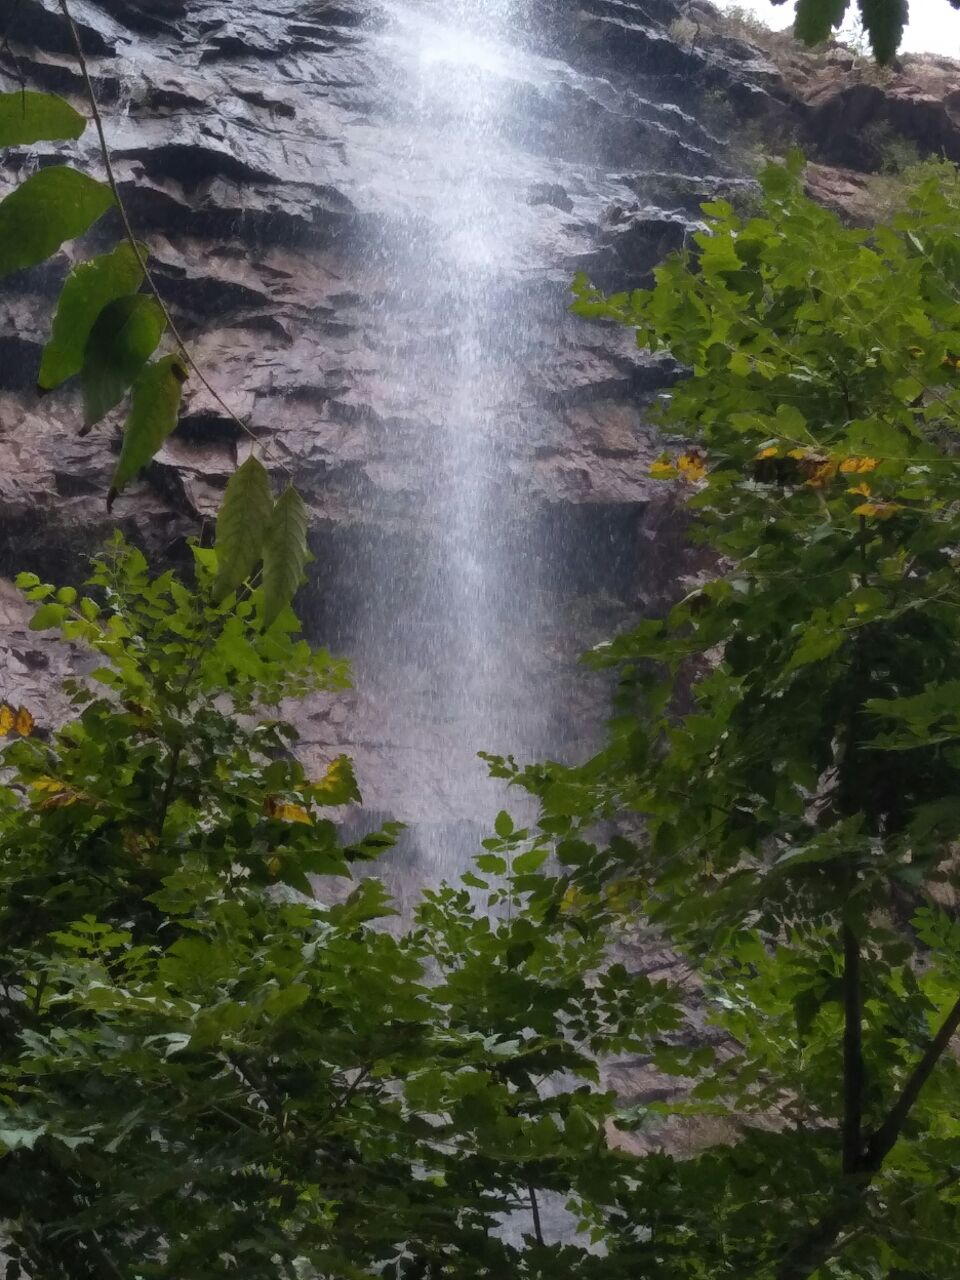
(460, 633)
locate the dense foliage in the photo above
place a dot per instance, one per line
(788, 739)
(204, 1071)
(219, 1054)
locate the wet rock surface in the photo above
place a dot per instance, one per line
(257, 154)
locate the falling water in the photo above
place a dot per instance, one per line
(450, 636)
(484, 179)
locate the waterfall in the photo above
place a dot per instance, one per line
(443, 636)
(491, 533)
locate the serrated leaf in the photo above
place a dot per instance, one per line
(153, 415)
(122, 340)
(474, 882)
(52, 206)
(530, 861)
(47, 616)
(27, 117)
(284, 554)
(90, 287)
(242, 524)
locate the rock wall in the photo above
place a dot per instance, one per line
(256, 152)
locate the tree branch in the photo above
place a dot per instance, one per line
(535, 1210)
(889, 1130)
(946, 1181)
(821, 1241)
(130, 235)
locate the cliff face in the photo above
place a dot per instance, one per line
(295, 193)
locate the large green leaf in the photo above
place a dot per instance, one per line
(90, 287)
(27, 117)
(284, 554)
(52, 206)
(153, 416)
(124, 337)
(242, 523)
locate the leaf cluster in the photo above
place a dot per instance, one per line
(783, 768)
(108, 327)
(207, 1061)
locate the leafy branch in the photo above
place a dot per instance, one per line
(132, 240)
(107, 331)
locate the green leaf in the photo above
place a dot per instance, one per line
(530, 861)
(284, 554)
(90, 287)
(242, 524)
(52, 206)
(153, 415)
(124, 337)
(47, 616)
(27, 117)
(492, 863)
(503, 824)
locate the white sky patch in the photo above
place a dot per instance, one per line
(934, 25)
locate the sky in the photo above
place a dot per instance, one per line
(934, 26)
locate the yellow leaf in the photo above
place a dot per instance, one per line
(858, 466)
(663, 470)
(819, 472)
(8, 718)
(692, 466)
(273, 866)
(621, 895)
(25, 723)
(571, 898)
(284, 812)
(770, 452)
(54, 794)
(338, 785)
(816, 468)
(877, 510)
(862, 488)
(131, 842)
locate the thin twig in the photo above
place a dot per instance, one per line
(947, 1181)
(535, 1210)
(167, 794)
(135, 244)
(852, 1145)
(6, 51)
